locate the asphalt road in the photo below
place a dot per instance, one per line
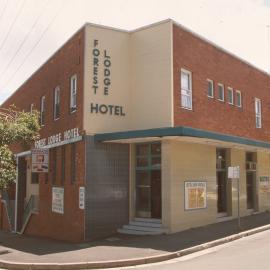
(250, 253)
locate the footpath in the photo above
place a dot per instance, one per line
(25, 252)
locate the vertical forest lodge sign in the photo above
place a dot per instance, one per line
(102, 64)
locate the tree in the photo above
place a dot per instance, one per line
(15, 127)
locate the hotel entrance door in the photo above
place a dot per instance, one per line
(148, 180)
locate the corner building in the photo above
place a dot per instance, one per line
(141, 128)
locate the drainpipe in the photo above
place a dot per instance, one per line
(16, 195)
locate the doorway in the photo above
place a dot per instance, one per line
(148, 180)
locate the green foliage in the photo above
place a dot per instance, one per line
(15, 127)
(7, 167)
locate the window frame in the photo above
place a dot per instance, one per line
(258, 114)
(189, 73)
(71, 105)
(213, 89)
(230, 89)
(236, 104)
(222, 85)
(42, 111)
(56, 89)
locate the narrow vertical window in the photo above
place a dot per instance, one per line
(210, 88)
(42, 111)
(73, 162)
(220, 92)
(54, 164)
(31, 107)
(258, 113)
(186, 89)
(73, 93)
(238, 98)
(230, 95)
(63, 165)
(56, 103)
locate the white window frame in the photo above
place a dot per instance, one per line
(187, 72)
(55, 103)
(42, 111)
(73, 94)
(240, 95)
(212, 84)
(230, 89)
(258, 113)
(222, 85)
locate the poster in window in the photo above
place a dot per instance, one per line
(40, 160)
(264, 184)
(195, 195)
(58, 200)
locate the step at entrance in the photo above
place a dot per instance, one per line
(143, 226)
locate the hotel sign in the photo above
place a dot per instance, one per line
(66, 136)
(195, 195)
(102, 64)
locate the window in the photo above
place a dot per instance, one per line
(230, 95)
(220, 92)
(31, 107)
(238, 99)
(63, 166)
(73, 162)
(258, 113)
(53, 163)
(42, 111)
(56, 103)
(210, 88)
(186, 89)
(73, 93)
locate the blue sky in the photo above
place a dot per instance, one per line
(32, 30)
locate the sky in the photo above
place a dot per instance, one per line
(32, 30)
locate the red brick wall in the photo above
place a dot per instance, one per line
(207, 62)
(57, 72)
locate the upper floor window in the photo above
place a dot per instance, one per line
(230, 95)
(258, 113)
(238, 102)
(210, 88)
(73, 93)
(56, 110)
(220, 92)
(42, 111)
(186, 89)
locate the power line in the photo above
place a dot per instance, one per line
(3, 11)
(36, 44)
(24, 40)
(12, 24)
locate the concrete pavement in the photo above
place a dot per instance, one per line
(22, 252)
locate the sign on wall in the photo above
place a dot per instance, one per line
(101, 84)
(40, 160)
(234, 172)
(82, 197)
(58, 200)
(195, 195)
(264, 184)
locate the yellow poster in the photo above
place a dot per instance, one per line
(195, 195)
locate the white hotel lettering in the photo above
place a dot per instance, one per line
(57, 138)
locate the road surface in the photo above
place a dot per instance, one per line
(249, 253)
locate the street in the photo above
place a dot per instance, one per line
(245, 254)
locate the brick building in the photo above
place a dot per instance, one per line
(141, 128)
